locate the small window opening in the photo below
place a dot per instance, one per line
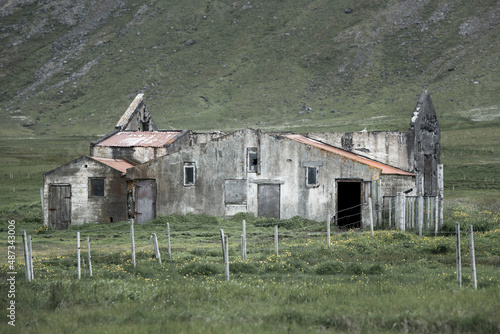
(97, 187)
(189, 173)
(252, 159)
(312, 176)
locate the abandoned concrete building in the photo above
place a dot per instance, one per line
(139, 172)
(93, 188)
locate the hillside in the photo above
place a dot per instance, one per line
(71, 67)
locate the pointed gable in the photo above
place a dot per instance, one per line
(137, 117)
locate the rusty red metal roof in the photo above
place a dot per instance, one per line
(140, 138)
(117, 164)
(386, 169)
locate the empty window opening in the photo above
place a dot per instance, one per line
(252, 159)
(349, 204)
(312, 179)
(97, 187)
(189, 173)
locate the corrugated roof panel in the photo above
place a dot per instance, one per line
(117, 164)
(140, 138)
(386, 169)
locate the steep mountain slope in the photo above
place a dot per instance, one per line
(73, 65)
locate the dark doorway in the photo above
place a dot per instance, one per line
(59, 206)
(146, 200)
(269, 200)
(349, 204)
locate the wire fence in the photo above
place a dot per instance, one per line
(109, 244)
(427, 212)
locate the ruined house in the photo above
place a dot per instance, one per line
(272, 175)
(93, 188)
(145, 172)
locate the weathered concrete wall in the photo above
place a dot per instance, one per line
(390, 148)
(393, 184)
(181, 141)
(201, 137)
(132, 154)
(84, 208)
(282, 161)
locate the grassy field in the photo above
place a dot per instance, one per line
(391, 282)
(67, 76)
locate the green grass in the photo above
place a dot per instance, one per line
(258, 65)
(391, 282)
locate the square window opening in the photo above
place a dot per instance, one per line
(312, 179)
(97, 187)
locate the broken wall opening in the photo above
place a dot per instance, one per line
(349, 197)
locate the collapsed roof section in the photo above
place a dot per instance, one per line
(137, 117)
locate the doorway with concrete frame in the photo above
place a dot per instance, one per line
(349, 199)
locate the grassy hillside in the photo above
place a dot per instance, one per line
(71, 68)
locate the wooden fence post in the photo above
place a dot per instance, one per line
(27, 267)
(90, 257)
(428, 212)
(169, 246)
(440, 182)
(472, 257)
(459, 256)
(78, 255)
(244, 241)
(420, 214)
(226, 257)
(41, 197)
(328, 223)
(31, 261)
(223, 245)
(132, 242)
(436, 213)
(390, 211)
(157, 249)
(400, 211)
(370, 213)
(276, 240)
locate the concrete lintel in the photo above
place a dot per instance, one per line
(268, 181)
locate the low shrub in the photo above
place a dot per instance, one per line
(201, 269)
(375, 269)
(353, 269)
(329, 268)
(440, 249)
(243, 268)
